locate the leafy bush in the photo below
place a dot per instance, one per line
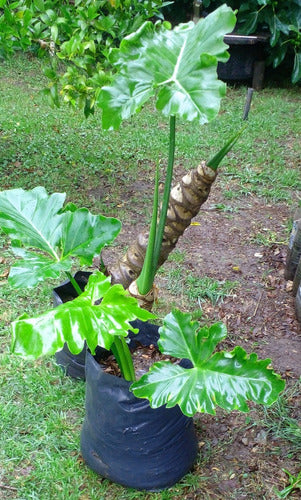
(78, 32)
(280, 18)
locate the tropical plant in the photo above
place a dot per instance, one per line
(178, 68)
(46, 238)
(279, 18)
(102, 314)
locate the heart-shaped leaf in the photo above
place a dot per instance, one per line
(179, 66)
(222, 379)
(99, 314)
(38, 221)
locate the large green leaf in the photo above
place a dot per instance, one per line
(222, 379)
(32, 217)
(33, 267)
(296, 75)
(99, 314)
(38, 221)
(179, 66)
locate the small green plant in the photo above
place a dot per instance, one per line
(295, 484)
(177, 256)
(206, 288)
(267, 238)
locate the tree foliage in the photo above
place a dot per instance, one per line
(78, 33)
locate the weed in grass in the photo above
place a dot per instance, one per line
(202, 288)
(295, 483)
(181, 282)
(279, 419)
(230, 194)
(267, 238)
(224, 208)
(177, 256)
(175, 281)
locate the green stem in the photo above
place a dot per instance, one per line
(74, 283)
(145, 281)
(123, 357)
(156, 233)
(166, 194)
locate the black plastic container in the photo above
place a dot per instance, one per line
(123, 439)
(247, 59)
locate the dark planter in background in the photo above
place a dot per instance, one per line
(247, 59)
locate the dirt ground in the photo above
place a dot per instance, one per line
(240, 456)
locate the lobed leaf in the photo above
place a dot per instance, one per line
(101, 312)
(54, 234)
(222, 379)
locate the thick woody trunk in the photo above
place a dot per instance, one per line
(185, 201)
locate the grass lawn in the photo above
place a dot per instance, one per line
(41, 410)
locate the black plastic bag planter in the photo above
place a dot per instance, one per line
(126, 441)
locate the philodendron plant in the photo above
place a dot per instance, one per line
(45, 237)
(49, 238)
(178, 69)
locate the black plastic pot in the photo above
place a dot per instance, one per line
(126, 441)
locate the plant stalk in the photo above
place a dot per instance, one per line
(167, 189)
(145, 280)
(121, 351)
(150, 265)
(74, 283)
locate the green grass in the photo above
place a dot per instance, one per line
(266, 238)
(60, 149)
(280, 422)
(42, 410)
(196, 289)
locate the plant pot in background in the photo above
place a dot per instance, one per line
(247, 59)
(123, 439)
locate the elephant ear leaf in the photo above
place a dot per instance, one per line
(178, 66)
(97, 315)
(51, 234)
(225, 379)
